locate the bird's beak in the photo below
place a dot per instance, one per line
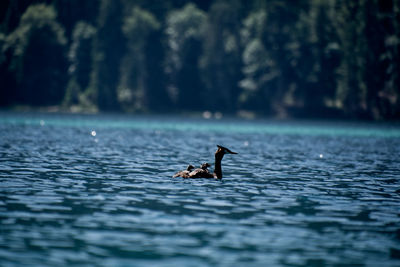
(226, 150)
(230, 152)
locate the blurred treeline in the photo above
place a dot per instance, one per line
(314, 58)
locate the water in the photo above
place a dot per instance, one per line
(98, 190)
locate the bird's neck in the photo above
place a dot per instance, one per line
(217, 168)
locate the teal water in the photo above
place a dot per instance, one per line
(98, 191)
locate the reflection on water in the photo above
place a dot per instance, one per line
(98, 190)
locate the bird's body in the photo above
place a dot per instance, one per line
(185, 173)
(203, 172)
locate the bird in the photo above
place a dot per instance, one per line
(203, 172)
(204, 166)
(185, 173)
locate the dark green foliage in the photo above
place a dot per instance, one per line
(366, 40)
(80, 58)
(72, 11)
(108, 49)
(158, 99)
(315, 58)
(185, 32)
(133, 86)
(7, 94)
(389, 103)
(221, 62)
(259, 69)
(38, 61)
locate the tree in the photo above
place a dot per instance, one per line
(80, 58)
(270, 55)
(382, 70)
(315, 54)
(133, 85)
(38, 57)
(221, 62)
(260, 72)
(7, 95)
(287, 58)
(108, 49)
(327, 53)
(352, 88)
(389, 96)
(70, 12)
(185, 33)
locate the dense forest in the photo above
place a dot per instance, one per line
(294, 58)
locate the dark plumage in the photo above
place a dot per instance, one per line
(203, 172)
(185, 173)
(204, 166)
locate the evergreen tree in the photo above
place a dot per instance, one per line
(133, 86)
(389, 96)
(80, 58)
(285, 58)
(70, 12)
(221, 62)
(271, 55)
(327, 55)
(382, 67)
(108, 49)
(38, 57)
(316, 58)
(259, 70)
(7, 91)
(185, 33)
(352, 89)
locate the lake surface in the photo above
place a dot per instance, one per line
(98, 191)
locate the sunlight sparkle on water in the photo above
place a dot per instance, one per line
(207, 115)
(71, 196)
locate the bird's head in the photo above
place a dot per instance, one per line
(223, 150)
(204, 166)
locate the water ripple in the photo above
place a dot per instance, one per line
(288, 199)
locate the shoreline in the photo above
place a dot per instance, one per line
(290, 115)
